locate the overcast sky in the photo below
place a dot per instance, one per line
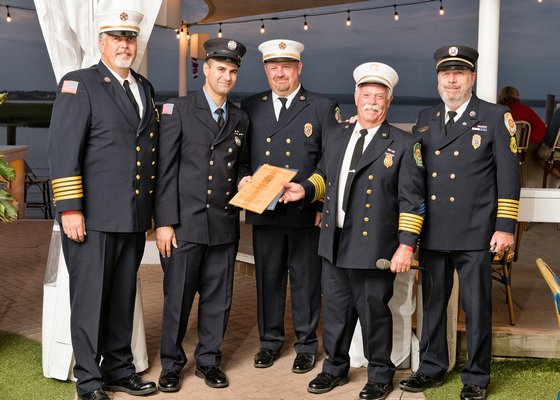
(529, 49)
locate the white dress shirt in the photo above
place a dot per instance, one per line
(278, 104)
(133, 88)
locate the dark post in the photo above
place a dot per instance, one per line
(10, 135)
(549, 108)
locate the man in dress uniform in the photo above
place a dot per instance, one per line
(372, 179)
(472, 201)
(287, 124)
(197, 233)
(102, 158)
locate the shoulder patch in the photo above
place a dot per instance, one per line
(510, 123)
(167, 109)
(417, 153)
(69, 87)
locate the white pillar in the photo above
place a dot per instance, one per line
(488, 49)
(183, 54)
(143, 68)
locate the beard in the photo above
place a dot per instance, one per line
(124, 62)
(455, 98)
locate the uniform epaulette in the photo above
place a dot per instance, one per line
(67, 188)
(410, 223)
(319, 183)
(508, 208)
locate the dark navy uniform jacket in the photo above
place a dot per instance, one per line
(386, 202)
(197, 175)
(294, 142)
(102, 157)
(472, 176)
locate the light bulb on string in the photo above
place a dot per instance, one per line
(305, 26)
(263, 30)
(178, 34)
(396, 15)
(441, 10)
(348, 20)
(8, 16)
(220, 31)
(188, 33)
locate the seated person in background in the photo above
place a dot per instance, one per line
(509, 96)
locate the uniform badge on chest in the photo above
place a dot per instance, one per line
(476, 140)
(308, 129)
(388, 160)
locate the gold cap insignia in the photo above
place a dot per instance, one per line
(281, 45)
(308, 129)
(124, 16)
(374, 67)
(476, 141)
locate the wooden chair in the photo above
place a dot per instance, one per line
(551, 163)
(522, 134)
(43, 184)
(553, 283)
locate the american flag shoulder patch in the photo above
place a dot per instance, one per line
(167, 109)
(69, 87)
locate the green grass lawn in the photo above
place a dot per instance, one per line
(21, 373)
(513, 379)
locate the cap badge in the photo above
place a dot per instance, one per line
(374, 67)
(232, 45)
(281, 45)
(453, 51)
(476, 140)
(124, 16)
(308, 129)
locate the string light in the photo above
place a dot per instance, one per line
(188, 33)
(539, 1)
(305, 26)
(262, 27)
(178, 34)
(220, 31)
(396, 15)
(348, 21)
(441, 10)
(8, 16)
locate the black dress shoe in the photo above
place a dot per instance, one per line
(303, 363)
(132, 384)
(376, 391)
(94, 395)
(213, 376)
(473, 392)
(265, 358)
(169, 381)
(418, 382)
(324, 383)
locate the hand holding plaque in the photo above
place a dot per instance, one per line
(266, 186)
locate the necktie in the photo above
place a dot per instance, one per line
(221, 121)
(356, 155)
(451, 115)
(283, 109)
(126, 86)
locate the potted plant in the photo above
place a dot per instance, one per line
(8, 210)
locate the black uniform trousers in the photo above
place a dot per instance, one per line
(351, 294)
(475, 283)
(207, 270)
(102, 272)
(281, 252)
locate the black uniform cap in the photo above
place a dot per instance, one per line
(225, 49)
(455, 57)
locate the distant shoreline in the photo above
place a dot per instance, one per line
(236, 97)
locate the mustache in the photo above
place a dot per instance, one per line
(370, 107)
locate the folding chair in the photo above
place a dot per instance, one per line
(522, 133)
(553, 283)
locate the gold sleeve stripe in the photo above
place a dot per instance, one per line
(66, 184)
(508, 208)
(66, 179)
(66, 188)
(410, 223)
(69, 196)
(319, 183)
